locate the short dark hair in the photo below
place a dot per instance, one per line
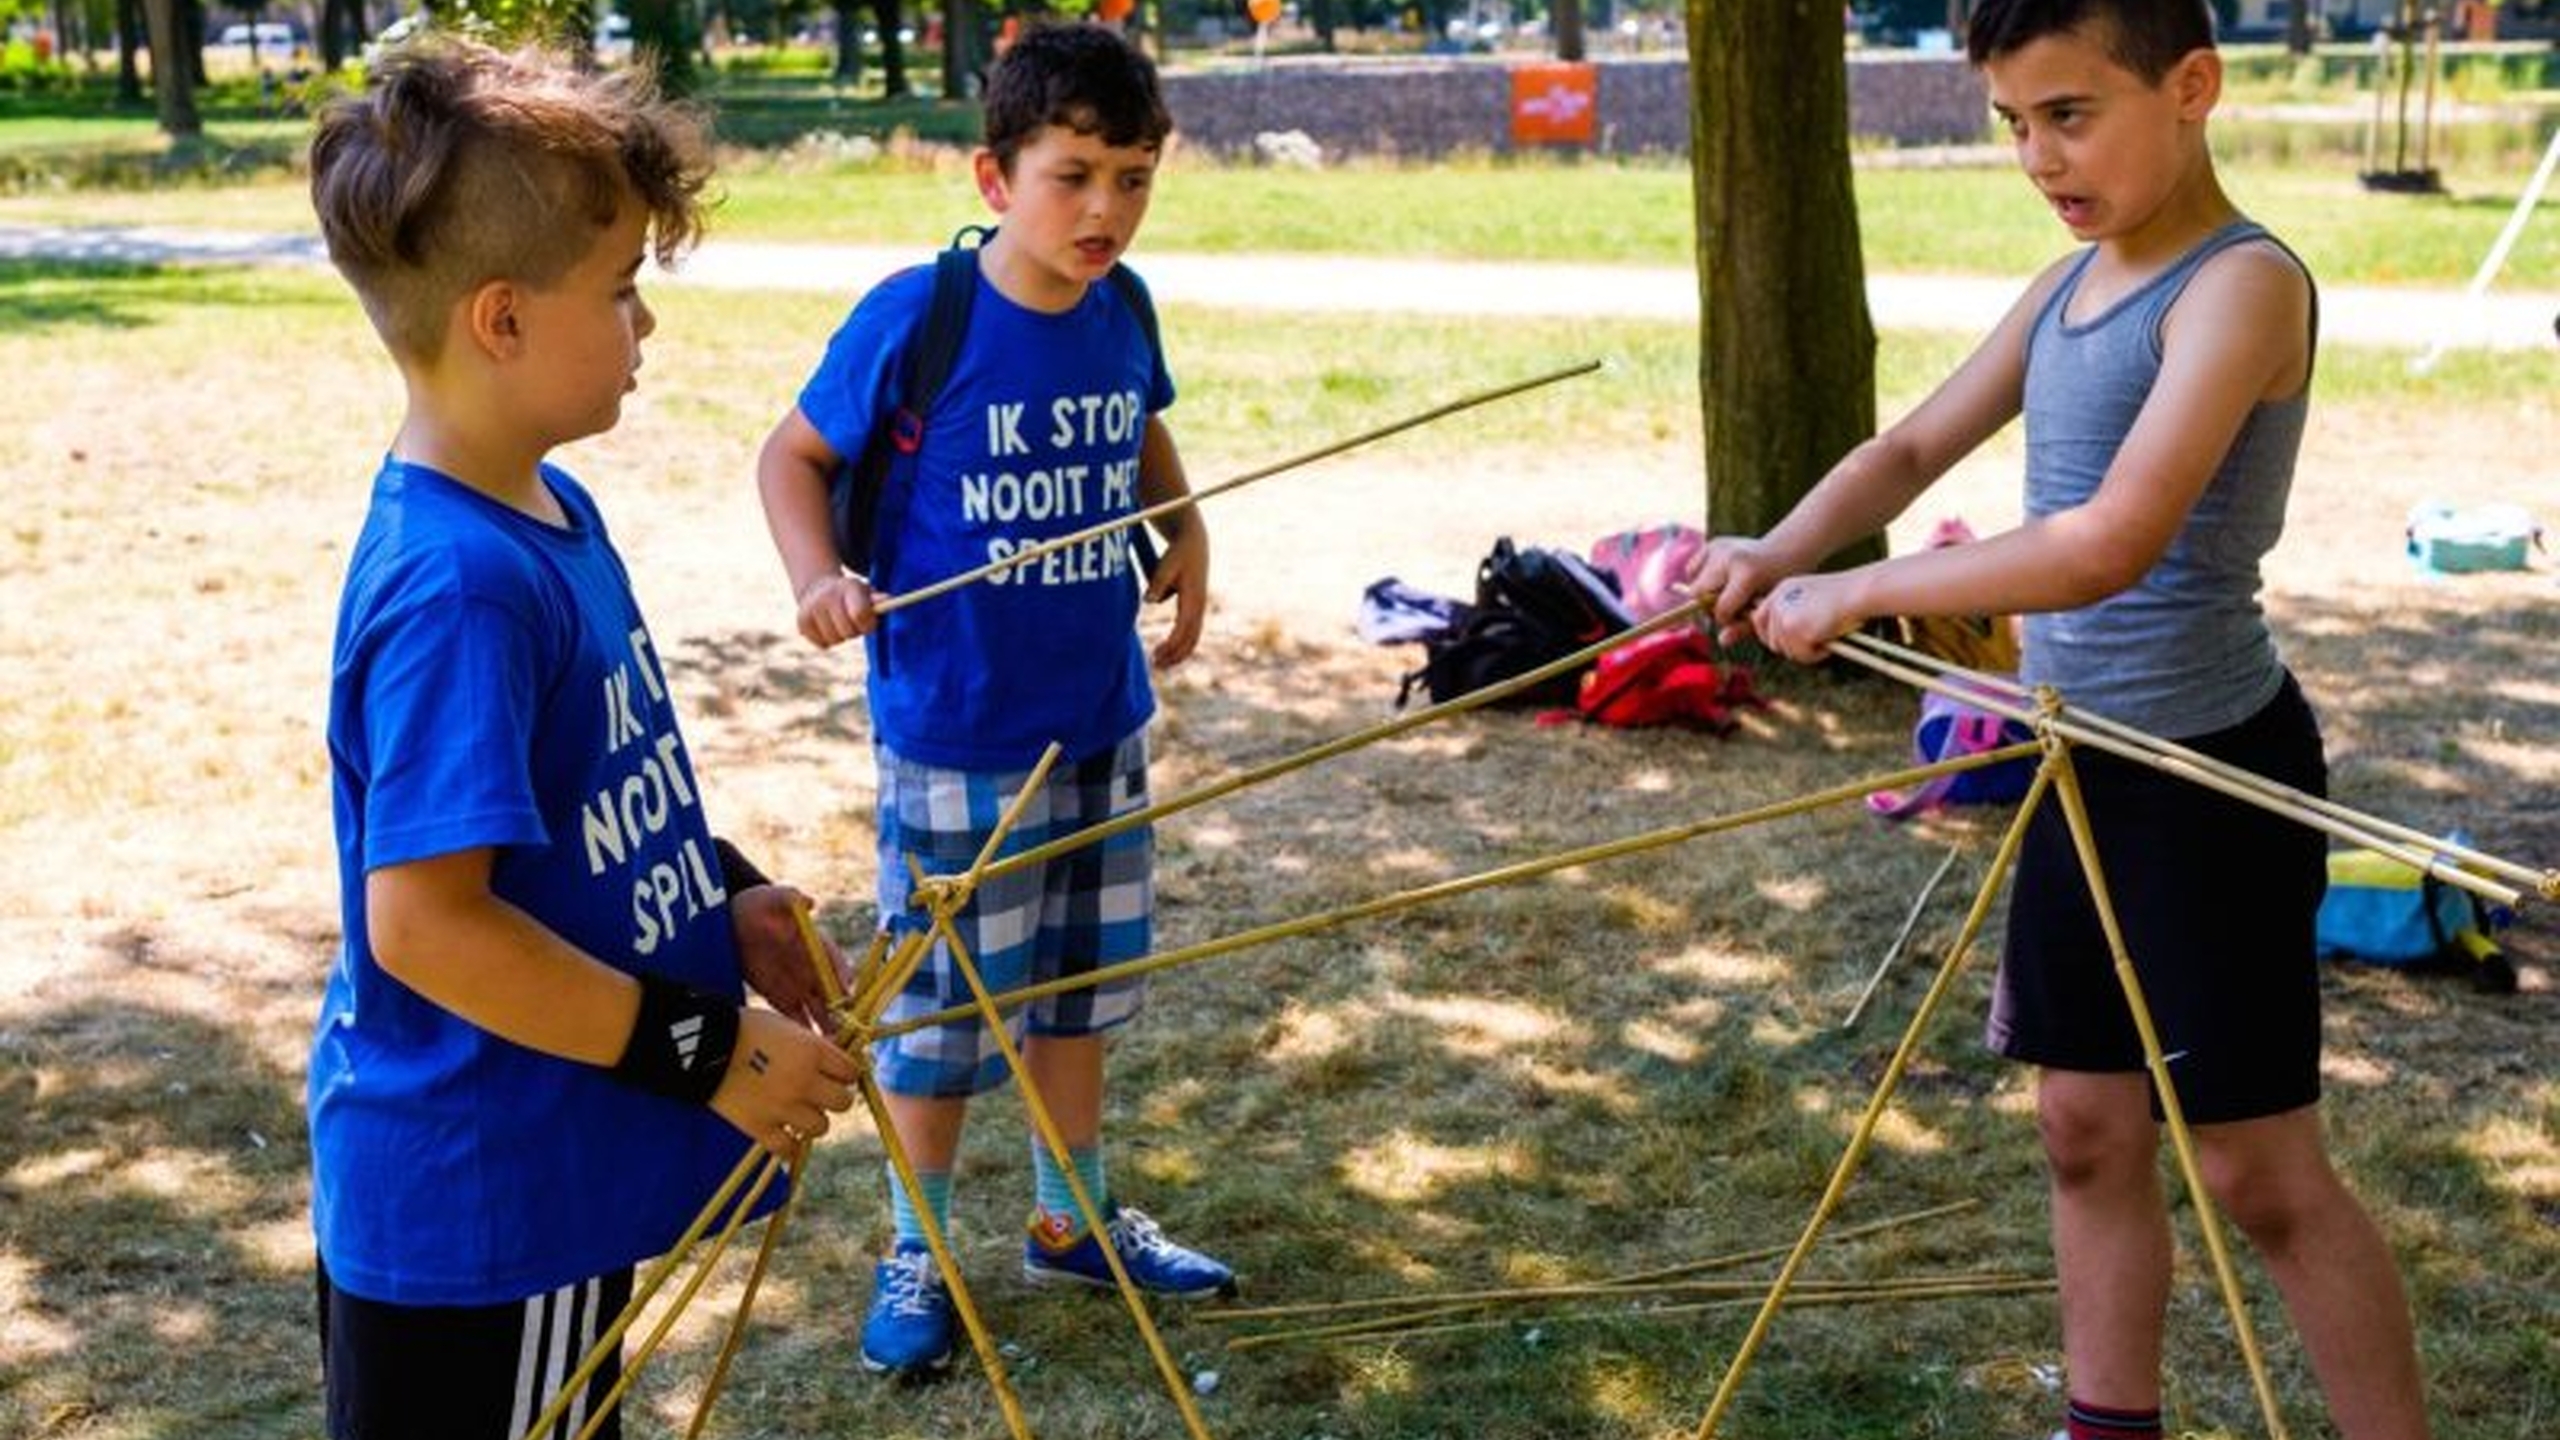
(1082, 76)
(459, 164)
(2146, 37)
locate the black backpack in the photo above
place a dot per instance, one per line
(1532, 606)
(854, 491)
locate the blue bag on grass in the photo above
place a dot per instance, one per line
(2384, 912)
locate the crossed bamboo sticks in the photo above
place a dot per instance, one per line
(889, 963)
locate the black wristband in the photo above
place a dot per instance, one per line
(680, 1042)
(737, 872)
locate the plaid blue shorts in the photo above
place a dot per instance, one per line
(1074, 914)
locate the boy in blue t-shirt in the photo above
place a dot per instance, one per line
(532, 1064)
(2164, 371)
(1049, 422)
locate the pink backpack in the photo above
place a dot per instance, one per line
(1649, 565)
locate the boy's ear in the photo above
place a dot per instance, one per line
(2196, 83)
(994, 186)
(493, 320)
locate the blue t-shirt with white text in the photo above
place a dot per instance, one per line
(494, 686)
(1034, 435)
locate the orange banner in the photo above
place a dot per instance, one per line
(1554, 104)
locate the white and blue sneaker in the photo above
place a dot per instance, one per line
(1056, 1252)
(908, 1333)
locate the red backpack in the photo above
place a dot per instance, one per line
(1666, 678)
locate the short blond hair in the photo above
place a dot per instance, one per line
(460, 163)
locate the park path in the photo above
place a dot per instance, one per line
(2403, 318)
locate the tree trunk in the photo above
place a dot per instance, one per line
(2297, 28)
(1786, 347)
(342, 31)
(959, 49)
(887, 16)
(190, 42)
(128, 47)
(1569, 42)
(173, 88)
(848, 67)
(1320, 12)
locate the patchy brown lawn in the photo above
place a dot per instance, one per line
(1612, 1068)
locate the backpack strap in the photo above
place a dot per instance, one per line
(938, 340)
(931, 353)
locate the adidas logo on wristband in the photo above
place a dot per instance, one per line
(680, 1041)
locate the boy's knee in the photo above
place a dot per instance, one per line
(2266, 1194)
(2091, 1135)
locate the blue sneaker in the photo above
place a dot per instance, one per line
(908, 1333)
(1054, 1253)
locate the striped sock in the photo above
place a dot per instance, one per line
(1049, 1184)
(936, 1185)
(2097, 1422)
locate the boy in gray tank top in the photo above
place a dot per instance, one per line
(2163, 371)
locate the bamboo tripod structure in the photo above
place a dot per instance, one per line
(889, 963)
(2059, 728)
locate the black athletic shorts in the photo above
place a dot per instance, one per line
(2217, 900)
(472, 1372)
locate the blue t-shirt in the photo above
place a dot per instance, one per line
(494, 686)
(1034, 435)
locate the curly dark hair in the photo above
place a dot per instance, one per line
(459, 163)
(1082, 76)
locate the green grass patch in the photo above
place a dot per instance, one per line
(1606, 1071)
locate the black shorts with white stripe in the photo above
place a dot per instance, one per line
(465, 1372)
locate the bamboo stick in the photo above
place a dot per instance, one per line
(1867, 1296)
(2084, 841)
(1892, 1077)
(1176, 1383)
(1342, 745)
(1901, 937)
(888, 603)
(1403, 1322)
(2447, 860)
(1486, 879)
(1633, 1278)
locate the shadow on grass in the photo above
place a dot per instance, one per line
(150, 1164)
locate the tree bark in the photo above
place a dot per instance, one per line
(1569, 39)
(848, 66)
(172, 86)
(960, 59)
(886, 18)
(1786, 346)
(129, 25)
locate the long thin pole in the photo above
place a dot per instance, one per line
(1859, 1139)
(2181, 1139)
(1466, 884)
(1342, 744)
(1030, 553)
(2455, 864)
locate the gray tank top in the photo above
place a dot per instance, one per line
(2185, 650)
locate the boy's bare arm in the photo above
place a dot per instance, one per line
(1183, 572)
(1878, 480)
(792, 472)
(436, 928)
(2238, 336)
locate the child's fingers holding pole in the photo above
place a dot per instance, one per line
(783, 1081)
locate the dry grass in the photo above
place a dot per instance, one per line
(1608, 1070)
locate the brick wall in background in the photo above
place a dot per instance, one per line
(1424, 108)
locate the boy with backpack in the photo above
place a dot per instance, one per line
(1048, 421)
(2164, 373)
(533, 1063)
